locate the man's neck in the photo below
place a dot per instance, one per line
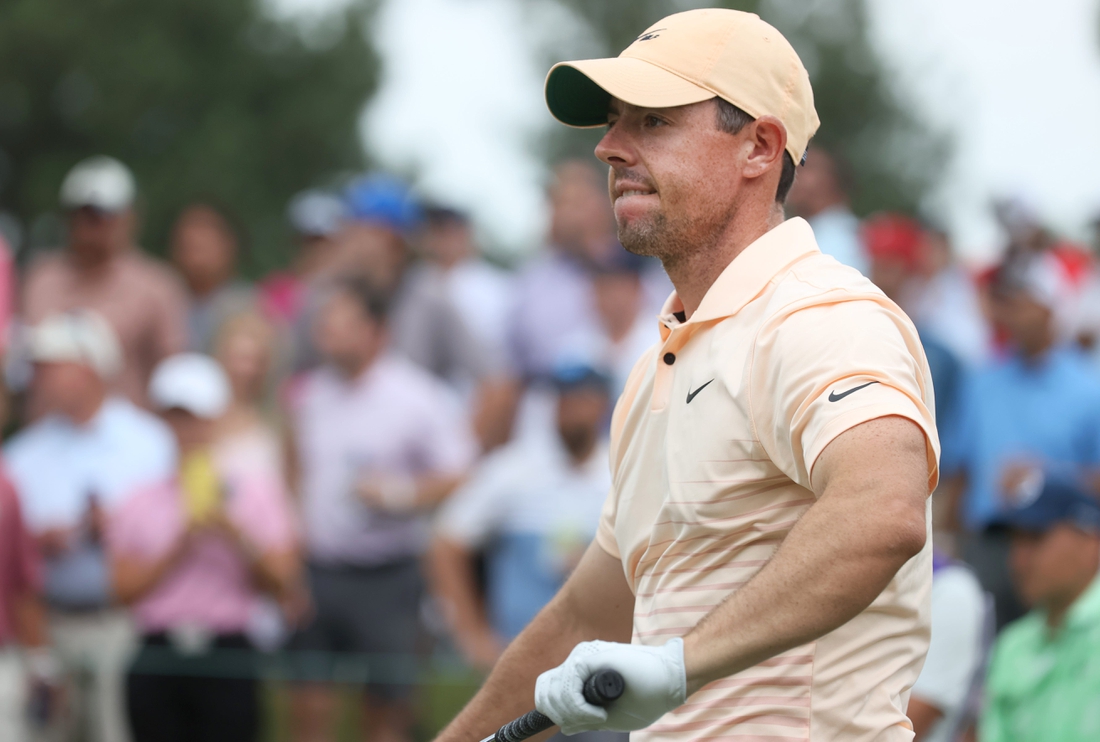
(87, 411)
(1057, 608)
(579, 457)
(697, 271)
(351, 372)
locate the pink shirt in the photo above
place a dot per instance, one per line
(210, 586)
(19, 566)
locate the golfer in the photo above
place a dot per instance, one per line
(763, 564)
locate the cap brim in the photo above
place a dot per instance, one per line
(578, 93)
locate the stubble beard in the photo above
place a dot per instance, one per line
(655, 237)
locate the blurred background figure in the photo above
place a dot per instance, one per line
(940, 706)
(1038, 406)
(820, 195)
(533, 508)
(943, 300)
(427, 325)
(316, 217)
(245, 346)
(29, 670)
(625, 325)
(205, 249)
(100, 268)
(191, 554)
(72, 468)
(480, 291)
(1043, 682)
(380, 443)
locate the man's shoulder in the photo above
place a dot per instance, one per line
(123, 417)
(34, 440)
(136, 263)
(1017, 641)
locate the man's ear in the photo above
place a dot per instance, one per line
(768, 140)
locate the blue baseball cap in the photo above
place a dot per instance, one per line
(570, 376)
(383, 200)
(1059, 500)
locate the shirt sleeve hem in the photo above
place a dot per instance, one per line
(860, 415)
(606, 541)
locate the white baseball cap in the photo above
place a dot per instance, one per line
(101, 182)
(316, 213)
(193, 382)
(78, 336)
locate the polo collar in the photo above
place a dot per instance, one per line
(747, 274)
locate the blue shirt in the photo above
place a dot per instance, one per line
(58, 468)
(1045, 411)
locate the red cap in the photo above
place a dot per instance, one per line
(892, 236)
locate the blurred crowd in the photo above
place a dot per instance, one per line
(396, 448)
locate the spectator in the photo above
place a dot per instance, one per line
(945, 303)
(28, 668)
(939, 704)
(316, 218)
(480, 291)
(1043, 681)
(72, 468)
(101, 269)
(205, 249)
(534, 507)
(625, 328)
(428, 327)
(554, 291)
(380, 442)
(1038, 406)
(191, 555)
(820, 195)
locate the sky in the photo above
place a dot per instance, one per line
(1018, 92)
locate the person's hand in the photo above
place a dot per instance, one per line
(654, 678)
(54, 542)
(390, 494)
(481, 649)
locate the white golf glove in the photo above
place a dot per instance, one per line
(654, 679)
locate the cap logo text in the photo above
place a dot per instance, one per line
(649, 35)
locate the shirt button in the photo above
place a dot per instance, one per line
(670, 358)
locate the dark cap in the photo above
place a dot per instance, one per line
(571, 376)
(1059, 500)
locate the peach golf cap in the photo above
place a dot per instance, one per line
(691, 57)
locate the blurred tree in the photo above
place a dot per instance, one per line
(892, 156)
(202, 98)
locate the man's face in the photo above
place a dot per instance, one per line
(66, 387)
(192, 432)
(1029, 324)
(204, 248)
(345, 335)
(675, 177)
(95, 235)
(1053, 567)
(581, 414)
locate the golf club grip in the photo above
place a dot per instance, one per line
(600, 689)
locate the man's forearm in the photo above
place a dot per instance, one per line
(835, 561)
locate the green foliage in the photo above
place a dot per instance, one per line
(202, 98)
(893, 158)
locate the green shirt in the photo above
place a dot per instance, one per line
(1044, 686)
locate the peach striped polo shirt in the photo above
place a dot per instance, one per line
(713, 446)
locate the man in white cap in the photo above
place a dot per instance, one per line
(101, 269)
(762, 568)
(72, 467)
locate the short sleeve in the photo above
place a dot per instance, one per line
(475, 512)
(605, 531)
(821, 370)
(265, 513)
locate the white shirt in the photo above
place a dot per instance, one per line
(530, 486)
(958, 619)
(57, 465)
(948, 308)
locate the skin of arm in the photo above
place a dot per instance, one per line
(132, 578)
(924, 716)
(30, 621)
(451, 575)
(425, 493)
(595, 603)
(869, 519)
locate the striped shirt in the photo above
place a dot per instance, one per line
(712, 453)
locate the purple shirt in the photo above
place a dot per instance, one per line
(210, 586)
(394, 420)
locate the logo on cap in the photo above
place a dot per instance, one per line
(650, 35)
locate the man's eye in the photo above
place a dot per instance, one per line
(653, 121)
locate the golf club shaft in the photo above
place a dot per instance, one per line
(600, 689)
